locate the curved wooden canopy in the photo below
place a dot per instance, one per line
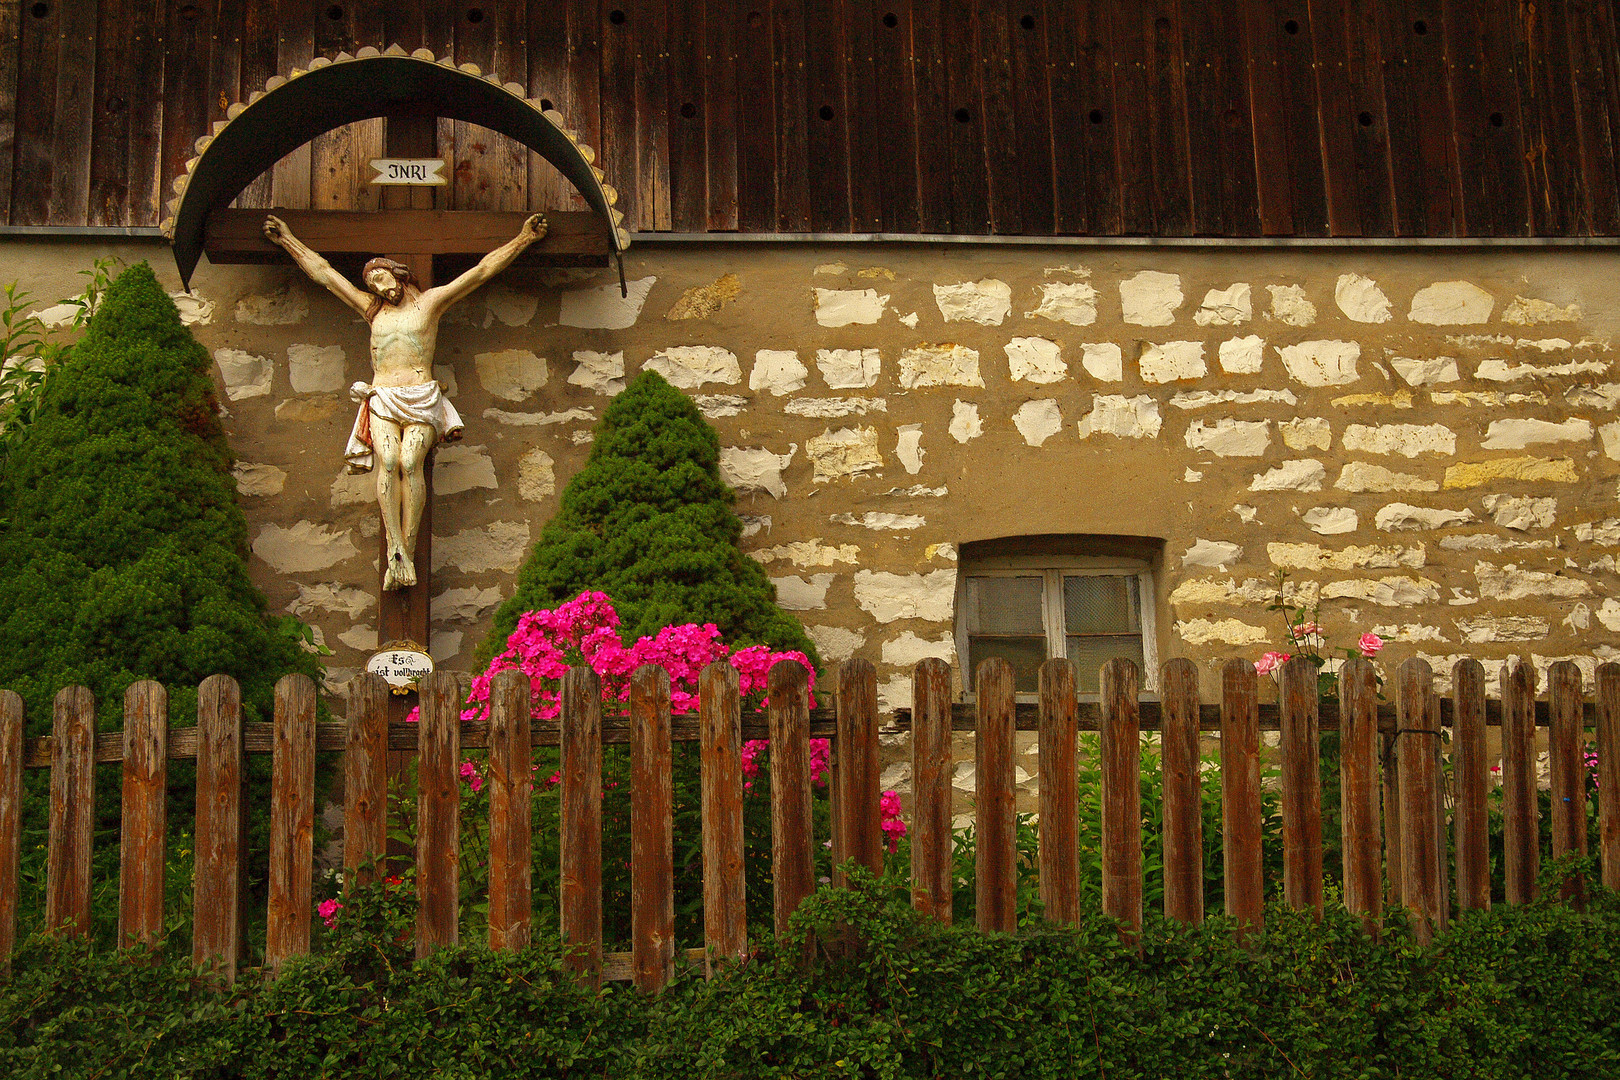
(292, 110)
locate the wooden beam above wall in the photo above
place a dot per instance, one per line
(573, 238)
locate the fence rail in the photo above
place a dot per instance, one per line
(1392, 785)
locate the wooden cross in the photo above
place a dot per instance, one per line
(410, 231)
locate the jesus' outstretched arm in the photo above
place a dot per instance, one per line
(319, 270)
(439, 298)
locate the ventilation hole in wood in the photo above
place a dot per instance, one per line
(962, 116)
(1291, 26)
(825, 112)
(334, 13)
(546, 105)
(616, 17)
(475, 15)
(755, 19)
(1096, 116)
(39, 11)
(1027, 22)
(1364, 119)
(688, 110)
(891, 20)
(1496, 119)
(115, 104)
(1420, 27)
(190, 13)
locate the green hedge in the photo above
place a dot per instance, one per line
(1531, 991)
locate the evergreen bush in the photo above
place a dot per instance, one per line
(650, 522)
(122, 547)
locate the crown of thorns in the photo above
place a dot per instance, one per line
(401, 272)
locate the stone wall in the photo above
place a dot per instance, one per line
(1427, 441)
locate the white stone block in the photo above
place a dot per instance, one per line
(467, 604)
(1289, 305)
(258, 480)
(1524, 311)
(1364, 476)
(1172, 361)
(1361, 299)
(1216, 553)
(1606, 396)
(1072, 302)
(908, 649)
(1408, 440)
(1038, 421)
(688, 367)
(908, 448)
(500, 545)
(1598, 532)
(1495, 369)
(509, 306)
(302, 547)
(1331, 520)
(834, 643)
(1517, 434)
(1306, 433)
(779, 371)
(1404, 516)
(965, 423)
(1488, 628)
(807, 553)
(1221, 631)
(847, 307)
(1437, 369)
(1201, 399)
(886, 597)
(1103, 360)
(1316, 558)
(360, 638)
(598, 371)
(1130, 418)
(511, 374)
(1035, 360)
(537, 475)
(939, 365)
(1303, 475)
(831, 408)
(849, 369)
(755, 468)
(1511, 583)
(1385, 592)
(719, 406)
(1243, 355)
(195, 309)
(1451, 303)
(458, 467)
(986, 302)
(1226, 307)
(315, 369)
(602, 308)
(286, 308)
(845, 453)
(330, 596)
(1521, 512)
(1321, 363)
(800, 594)
(537, 419)
(1230, 438)
(1150, 298)
(875, 519)
(1610, 434)
(445, 645)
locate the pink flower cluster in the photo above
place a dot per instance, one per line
(584, 630)
(893, 827)
(471, 776)
(1271, 662)
(820, 760)
(328, 910)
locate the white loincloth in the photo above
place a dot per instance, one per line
(421, 404)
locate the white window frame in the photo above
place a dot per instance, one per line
(1053, 569)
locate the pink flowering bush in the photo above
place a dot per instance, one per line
(1306, 638)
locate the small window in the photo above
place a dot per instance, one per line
(1031, 598)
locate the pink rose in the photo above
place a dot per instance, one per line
(1369, 644)
(1271, 662)
(328, 910)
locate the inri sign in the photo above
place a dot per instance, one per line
(409, 171)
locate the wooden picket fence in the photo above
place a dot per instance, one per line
(1393, 795)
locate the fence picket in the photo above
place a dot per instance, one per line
(73, 800)
(1417, 738)
(995, 864)
(1240, 794)
(931, 866)
(1470, 778)
(11, 766)
(1521, 844)
(1301, 786)
(1183, 794)
(1608, 749)
(144, 811)
(511, 781)
(860, 811)
(1391, 763)
(438, 812)
(1059, 793)
(1121, 794)
(217, 896)
(581, 823)
(793, 874)
(1358, 789)
(1565, 742)
(725, 912)
(652, 831)
(365, 779)
(292, 821)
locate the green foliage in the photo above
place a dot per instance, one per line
(862, 987)
(650, 522)
(123, 550)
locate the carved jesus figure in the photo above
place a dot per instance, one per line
(403, 410)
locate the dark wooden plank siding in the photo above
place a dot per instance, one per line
(1033, 117)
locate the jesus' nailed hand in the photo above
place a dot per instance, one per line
(403, 411)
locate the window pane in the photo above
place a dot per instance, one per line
(1005, 605)
(1025, 654)
(1101, 605)
(1091, 653)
